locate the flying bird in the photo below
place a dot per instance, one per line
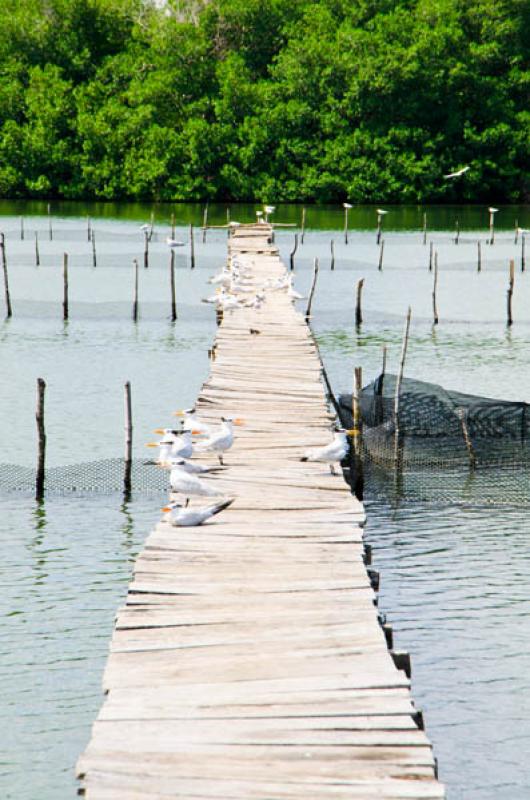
(457, 174)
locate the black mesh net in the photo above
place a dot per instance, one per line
(446, 446)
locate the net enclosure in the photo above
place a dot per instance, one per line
(439, 438)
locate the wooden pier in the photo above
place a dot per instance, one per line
(248, 662)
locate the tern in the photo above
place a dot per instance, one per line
(191, 423)
(174, 242)
(186, 483)
(456, 174)
(291, 291)
(347, 205)
(493, 210)
(330, 453)
(220, 440)
(181, 517)
(181, 444)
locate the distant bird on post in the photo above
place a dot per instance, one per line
(492, 211)
(380, 214)
(346, 207)
(456, 174)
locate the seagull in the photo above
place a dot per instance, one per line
(330, 453)
(457, 174)
(191, 423)
(186, 483)
(220, 440)
(174, 242)
(181, 517)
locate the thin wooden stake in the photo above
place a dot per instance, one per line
(65, 286)
(378, 232)
(172, 225)
(204, 223)
(135, 301)
(37, 254)
(152, 225)
(172, 286)
(399, 381)
(435, 286)
(88, 229)
(479, 257)
(381, 251)
(192, 249)
(9, 310)
(357, 476)
(523, 245)
(228, 215)
(128, 439)
(424, 228)
(346, 209)
(312, 291)
(492, 228)
(94, 257)
(332, 248)
(302, 232)
(22, 228)
(293, 252)
(516, 236)
(510, 292)
(457, 231)
(41, 440)
(50, 222)
(431, 253)
(383, 366)
(146, 249)
(358, 303)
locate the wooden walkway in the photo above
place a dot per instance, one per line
(248, 662)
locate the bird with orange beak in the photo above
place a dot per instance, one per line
(220, 440)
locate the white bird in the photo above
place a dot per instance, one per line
(269, 209)
(381, 211)
(223, 278)
(332, 452)
(145, 228)
(347, 205)
(164, 445)
(493, 210)
(181, 517)
(523, 230)
(291, 291)
(190, 421)
(457, 174)
(184, 482)
(174, 242)
(181, 445)
(228, 302)
(220, 440)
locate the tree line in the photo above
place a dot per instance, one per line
(293, 100)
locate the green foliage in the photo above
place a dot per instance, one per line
(370, 100)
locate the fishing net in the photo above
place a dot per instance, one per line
(443, 445)
(105, 476)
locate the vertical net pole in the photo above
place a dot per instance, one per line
(398, 455)
(41, 440)
(128, 439)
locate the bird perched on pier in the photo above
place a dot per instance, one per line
(179, 442)
(220, 440)
(332, 452)
(457, 173)
(186, 483)
(181, 517)
(291, 291)
(191, 423)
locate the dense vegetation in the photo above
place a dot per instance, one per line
(370, 100)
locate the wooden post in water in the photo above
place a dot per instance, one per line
(457, 231)
(492, 211)
(172, 224)
(37, 254)
(65, 286)
(397, 434)
(431, 252)
(135, 301)
(357, 483)
(516, 237)
(312, 291)
(302, 232)
(9, 310)
(381, 251)
(358, 303)
(435, 286)
(151, 225)
(94, 257)
(228, 215)
(22, 228)
(204, 223)
(293, 252)
(347, 207)
(128, 440)
(41, 440)
(424, 228)
(332, 249)
(146, 249)
(383, 365)
(192, 249)
(172, 285)
(523, 260)
(50, 222)
(88, 229)
(479, 257)
(510, 293)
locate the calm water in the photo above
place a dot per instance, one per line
(454, 582)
